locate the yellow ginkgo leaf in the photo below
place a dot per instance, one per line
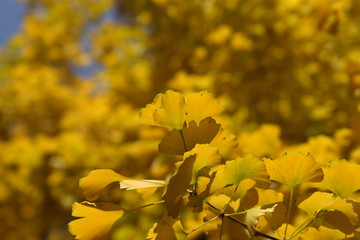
(97, 180)
(235, 171)
(269, 196)
(94, 221)
(167, 229)
(174, 143)
(294, 169)
(225, 142)
(316, 202)
(322, 233)
(341, 177)
(147, 113)
(132, 184)
(206, 156)
(200, 106)
(177, 186)
(336, 211)
(171, 112)
(253, 214)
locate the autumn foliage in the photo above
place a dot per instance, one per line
(236, 119)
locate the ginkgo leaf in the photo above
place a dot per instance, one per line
(131, 184)
(171, 112)
(167, 229)
(94, 221)
(206, 156)
(341, 177)
(322, 233)
(177, 186)
(146, 115)
(253, 214)
(235, 171)
(294, 169)
(173, 142)
(316, 202)
(335, 210)
(200, 106)
(97, 180)
(225, 142)
(269, 196)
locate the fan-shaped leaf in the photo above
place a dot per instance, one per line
(97, 180)
(200, 106)
(95, 222)
(247, 167)
(294, 169)
(342, 178)
(171, 112)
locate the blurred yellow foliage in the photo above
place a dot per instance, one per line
(73, 79)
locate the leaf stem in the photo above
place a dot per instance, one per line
(203, 224)
(146, 205)
(241, 223)
(289, 211)
(303, 226)
(183, 139)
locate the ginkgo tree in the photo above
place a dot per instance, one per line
(215, 193)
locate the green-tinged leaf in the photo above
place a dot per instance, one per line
(97, 180)
(177, 186)
(235, 171)
(342, 178)
(131, 184)
(167, 229)
(206, 156)
(200, 106)
(294, 169)
(94, 221)
(171, 112)
(173, 142)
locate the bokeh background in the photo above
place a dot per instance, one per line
(74, 74)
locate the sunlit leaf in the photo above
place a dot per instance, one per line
(146, 115)
(235, 171)
(173, 142)
(177, 186)
(137, 184)
(94, 221)
(200, 106)
(171, 112)
(294, 169)
(341, 177)
(206, 156)
(97, 180)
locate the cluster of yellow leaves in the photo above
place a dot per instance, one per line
(74, 77)
(292, 196)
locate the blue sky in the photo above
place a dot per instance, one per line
(11, 13)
